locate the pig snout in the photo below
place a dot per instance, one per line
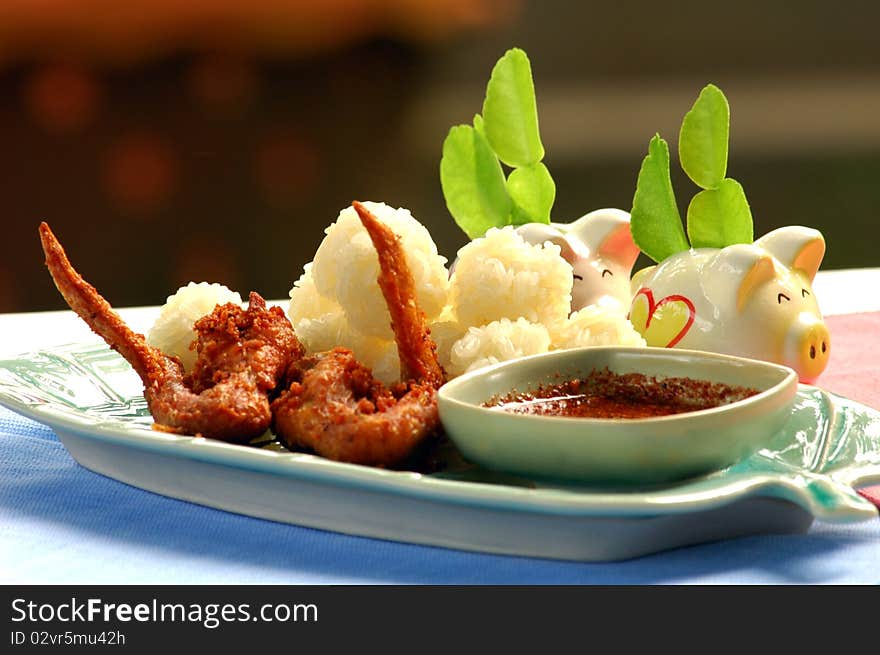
(807, 346)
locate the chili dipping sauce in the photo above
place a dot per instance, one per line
(603, 394)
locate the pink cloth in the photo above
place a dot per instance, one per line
(854, 366)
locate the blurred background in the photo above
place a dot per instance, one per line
(167, 141)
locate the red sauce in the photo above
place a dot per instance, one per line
(603, 394)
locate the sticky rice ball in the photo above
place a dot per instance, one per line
(321, 325)
(346, 266)
(380, 355)
(172, 333)
(445, 331)
(496, 342)
(332, 329)
(306, 302)
(500, 276)
(323, 332)
(595, 325)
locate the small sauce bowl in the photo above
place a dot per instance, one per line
(616, 450)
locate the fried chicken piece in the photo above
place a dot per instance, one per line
(242, 357)
(333, 404)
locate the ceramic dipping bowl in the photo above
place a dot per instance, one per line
(629, 451)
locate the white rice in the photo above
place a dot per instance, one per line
(330, 330)
(445, 331)
(173, 332)
(595, 325)
(346, 266)
(337, 300)
(506, 298)
(498, 341)
(501, 276)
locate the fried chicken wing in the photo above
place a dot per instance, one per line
(335, 407)
(242, 357)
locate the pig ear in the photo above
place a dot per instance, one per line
(539, 233)
(800, 248)
(735, 273)
(761, 271)
(606, 232)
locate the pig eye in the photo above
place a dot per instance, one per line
(780, 297)
(804, 293)
(607, 271)
(578, 277)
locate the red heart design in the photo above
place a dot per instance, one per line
(653, 306)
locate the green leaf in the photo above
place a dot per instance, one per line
(717, 218)
(533, 191)
(655, 222)
(478, 124)
(473, 182)
(703, 140)
(510, 113)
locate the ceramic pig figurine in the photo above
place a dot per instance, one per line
(601, 251)
(753, 300)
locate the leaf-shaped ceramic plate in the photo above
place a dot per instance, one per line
(91, 398)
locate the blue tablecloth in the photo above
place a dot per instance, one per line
(60, 523)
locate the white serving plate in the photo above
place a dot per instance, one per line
(90, 397)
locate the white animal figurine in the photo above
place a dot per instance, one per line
(600, 248)
(752, 300)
